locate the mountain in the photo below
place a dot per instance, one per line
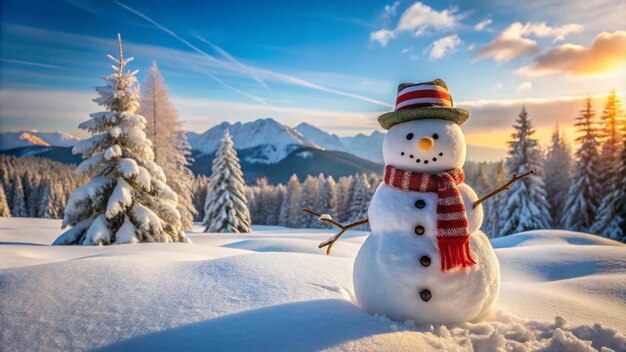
(60, 154)
(273, 140)
(10, 140)
(321, 138)
(302, 161)
(368, 147)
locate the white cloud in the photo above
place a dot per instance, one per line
(606, 54)
(498, 85)
(382, 36)
(418, 19)
(483, 24)
(440, 47)
(524, 86)
(391, 10)
(513, 42)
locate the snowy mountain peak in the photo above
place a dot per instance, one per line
(275, 140)
(10, 140)
(321, 138)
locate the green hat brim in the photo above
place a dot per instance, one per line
(459, 116)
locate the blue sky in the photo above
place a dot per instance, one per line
(334, 64)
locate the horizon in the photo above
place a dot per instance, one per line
(335, 67)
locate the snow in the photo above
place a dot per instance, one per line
(120, 199)
(9, 140)
(274, 290)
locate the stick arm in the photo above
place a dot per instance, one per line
(503, 188)
(343, 228)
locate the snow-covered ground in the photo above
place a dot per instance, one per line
(274, 290)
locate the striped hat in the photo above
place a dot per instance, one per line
(423, 101)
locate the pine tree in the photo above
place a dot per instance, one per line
(345, 190)
(199, 190)
(126, 200)
(360, 201)
(226, 208)
(583, 196)
(525, 206)
(612, 142)
(327, 200)
(171, 149)
(492, 225)
(18, 203)
(557, 168)
(308, 199)
(609, 221)
(277, 201)
(5, 211)
(289, 211)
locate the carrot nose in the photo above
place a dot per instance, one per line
(426, 143)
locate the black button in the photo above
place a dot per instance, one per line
(419, 230)
(420, 204)
(425, 295)
(425, 260)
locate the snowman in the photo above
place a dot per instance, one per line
(426, 259)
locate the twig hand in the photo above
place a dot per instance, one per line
(329, 242)
(505, 187)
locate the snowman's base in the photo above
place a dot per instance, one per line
(390, 280)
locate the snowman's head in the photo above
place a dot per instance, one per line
(425, 146)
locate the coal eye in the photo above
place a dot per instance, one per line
(435, 136)
(409, 136)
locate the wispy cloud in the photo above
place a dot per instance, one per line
(32, 63)
(230, 58)
(257, 72)
(224, 84)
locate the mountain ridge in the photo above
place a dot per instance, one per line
(271, 141)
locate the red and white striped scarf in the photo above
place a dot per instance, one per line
(452, 224)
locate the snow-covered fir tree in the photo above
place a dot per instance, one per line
(127, 199)
(289, 211)
(609, 220)
(524, 205)
(492, 225)
(557, 168)
(199, 188)
(226, 208)
(169, 142)
(327, 200)
(308, 199)
(360, 201)
(5, 211)
(583, 196)
(611, 141)
(345, 190)
(277, 196)
(17, 201)
(622, 172)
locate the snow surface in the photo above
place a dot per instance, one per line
(274, 290)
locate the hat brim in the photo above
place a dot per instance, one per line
(459, 116)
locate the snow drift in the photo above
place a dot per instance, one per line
(271, 290)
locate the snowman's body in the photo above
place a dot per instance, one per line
(398, 272)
